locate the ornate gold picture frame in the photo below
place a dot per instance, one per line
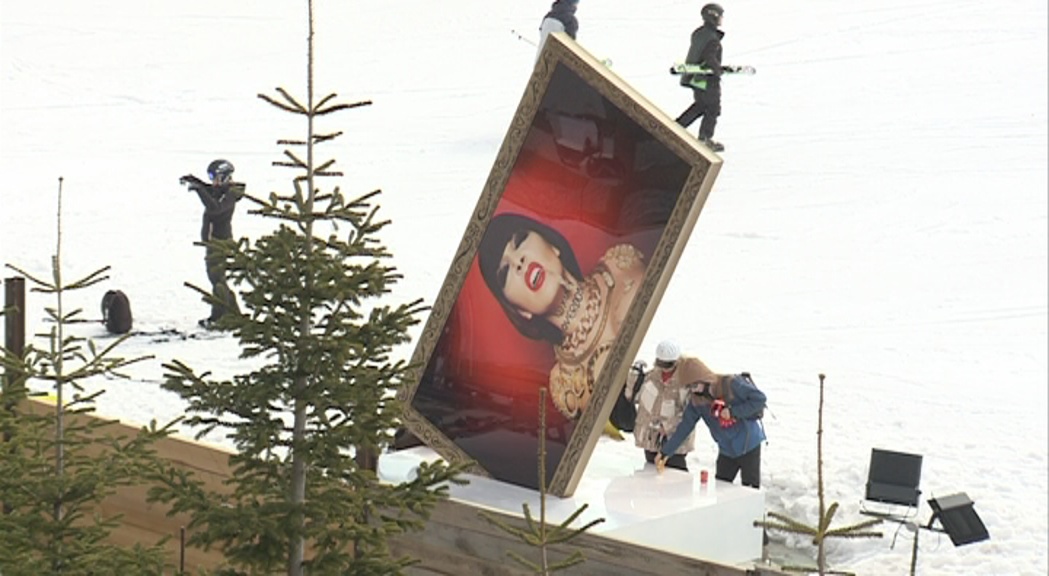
(580, 224)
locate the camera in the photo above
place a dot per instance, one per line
(702, 389)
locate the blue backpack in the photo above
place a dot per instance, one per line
(761, 413)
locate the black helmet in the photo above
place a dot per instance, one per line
(712, 14)
(220, 170)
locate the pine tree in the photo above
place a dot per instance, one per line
(538, 534)
(56, 464)
(308, 423)
(822, 531)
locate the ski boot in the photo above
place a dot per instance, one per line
(712, 144)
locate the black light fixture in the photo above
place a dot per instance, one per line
(893, 477)
(958, 518)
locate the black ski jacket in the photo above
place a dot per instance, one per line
(705, 49)
(564, 12)
(219, 202)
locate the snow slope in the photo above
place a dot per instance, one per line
(881, 216)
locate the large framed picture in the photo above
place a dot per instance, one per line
(580, 224)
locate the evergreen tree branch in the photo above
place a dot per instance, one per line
(59, 462)
(316, 405)
(289, 104)
(822, 530)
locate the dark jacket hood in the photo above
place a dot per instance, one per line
(564, 11)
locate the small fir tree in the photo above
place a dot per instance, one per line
(539, 534)
(822, 530)
(309, 422)
(58, 464)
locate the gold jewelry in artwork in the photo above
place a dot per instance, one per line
(577, 298)
(624, 256)
(571, 385)
(591, 324)
(572, 378)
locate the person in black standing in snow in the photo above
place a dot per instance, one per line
(560, 18)
(219, 199)
(705, 50)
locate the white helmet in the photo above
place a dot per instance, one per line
(668, 351)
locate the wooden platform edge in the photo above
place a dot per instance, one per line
(458, 540)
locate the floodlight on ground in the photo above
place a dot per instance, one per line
(958, 518)
(893, 477)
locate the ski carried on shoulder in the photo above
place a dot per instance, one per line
(680, 68)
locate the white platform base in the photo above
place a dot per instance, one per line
(672, 511)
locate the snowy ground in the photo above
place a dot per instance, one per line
(881, 216)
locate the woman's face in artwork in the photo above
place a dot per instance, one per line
(530, 273)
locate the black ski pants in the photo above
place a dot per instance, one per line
(749, 468)
(706, 104)
(747, 465)
(226, 300)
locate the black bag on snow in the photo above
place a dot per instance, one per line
(116, 312)
(625, 411)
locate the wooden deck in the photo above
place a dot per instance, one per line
(458, 541)
(455, 542)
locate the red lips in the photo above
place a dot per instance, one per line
(534, 277)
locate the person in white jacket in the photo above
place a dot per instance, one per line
(560, 18)
(661, 403)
